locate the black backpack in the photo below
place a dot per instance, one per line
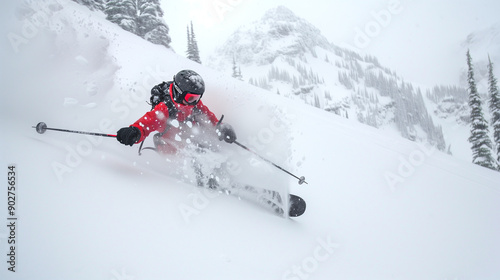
(160, 93)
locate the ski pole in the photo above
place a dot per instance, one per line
(41, 127)
(301, 179)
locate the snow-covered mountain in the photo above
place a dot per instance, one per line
(379, 206)
(287, 55)
(279, 32)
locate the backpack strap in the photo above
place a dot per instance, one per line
(172, 110)
(161, 93)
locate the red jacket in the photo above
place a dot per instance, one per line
(158, 120)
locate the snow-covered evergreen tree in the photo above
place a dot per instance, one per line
(317, 102)
(123, 13)
(141, 17)
(151, 25)
(192, 52)
(236, 71)
(479, 138)
(494, 104)
(189, 50)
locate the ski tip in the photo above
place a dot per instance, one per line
(297, 206)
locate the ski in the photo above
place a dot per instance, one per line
(272, 200)
(216, 179)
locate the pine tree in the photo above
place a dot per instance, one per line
(494, 104)
(317, 103)
(481, 143)
(152, 27)
(236, 71)
(192, 52)
(194, 42)
(189, 49)
(122, 12)
(141, 17)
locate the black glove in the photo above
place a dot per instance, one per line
(128, 135)
(226, 133)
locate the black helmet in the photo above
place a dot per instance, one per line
(188, 87)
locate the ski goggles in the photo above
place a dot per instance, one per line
(188, 98)
(192, 98)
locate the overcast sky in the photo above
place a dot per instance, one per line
(417, 38)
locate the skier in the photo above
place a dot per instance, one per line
(178, 115)
(181, 118)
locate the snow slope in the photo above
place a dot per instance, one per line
(379, 207)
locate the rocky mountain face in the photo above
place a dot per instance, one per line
(449, 104)
(288, 56)
(279, 33)
(483, 45)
